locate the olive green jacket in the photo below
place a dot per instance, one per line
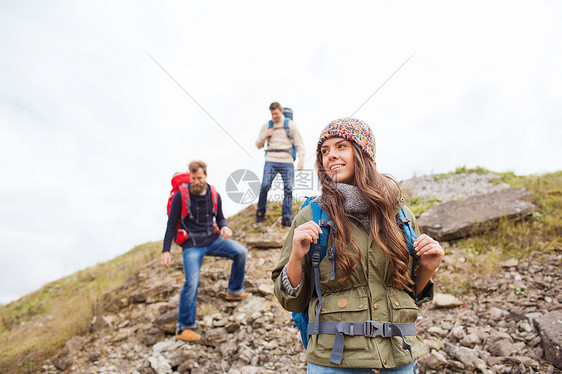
(365, 295)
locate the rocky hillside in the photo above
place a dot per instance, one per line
(498, 311)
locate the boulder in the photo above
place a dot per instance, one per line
(141, 295)
(167, 321)
(434, 344)
(63, 363)
(526, 361)
(165, 346)
(550, 328)
(228, 348)
(266, 240)
(456, 186)
(441, 300)
(497, 314)
(470, 340)
(98, 323)
(160, 364)
(253, 304)
(266, 289)
(151, 335)
(436, 330)
(74, 344)
(434, 360)
(469, 357)
(461, 218)
(214, 337)
(500, 344)
(248, 369)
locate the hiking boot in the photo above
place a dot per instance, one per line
(260, 217)
(242, 296)
(286, 222)
(188, 335)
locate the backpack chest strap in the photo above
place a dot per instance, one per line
(330, 251)
(369, 329)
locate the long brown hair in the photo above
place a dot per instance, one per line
(383, 194)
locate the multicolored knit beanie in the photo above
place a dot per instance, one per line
(353, 130)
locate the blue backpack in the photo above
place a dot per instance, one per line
(288, 113)
(317, 252)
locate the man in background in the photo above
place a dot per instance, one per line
(284, 144)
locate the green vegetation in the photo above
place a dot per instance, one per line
(462, 170)
(539, 235)
(34, 327)
(418, 205)
(243, 220)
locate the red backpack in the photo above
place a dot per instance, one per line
(180, 182)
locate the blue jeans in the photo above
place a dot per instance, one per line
(192, 259)
(287, 172)
(315, 369)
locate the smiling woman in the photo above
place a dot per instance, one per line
(337, 159)
(367, 278)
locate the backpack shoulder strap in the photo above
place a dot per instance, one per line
(287, 129)
(317, 252)
(269, 126)
(321, 219)
(185, 199)
(405, 223)
(290, 136)
(214, 199)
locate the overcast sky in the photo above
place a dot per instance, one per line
(93, 121)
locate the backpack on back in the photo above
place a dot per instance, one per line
(317, 253)
(180, 182)
(288, 113)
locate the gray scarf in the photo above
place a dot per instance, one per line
(355, 203)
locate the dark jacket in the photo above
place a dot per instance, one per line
(201, 220)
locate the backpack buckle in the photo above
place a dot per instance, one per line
(375, 328)
(403, 220)
(316, 255)
(323, 223)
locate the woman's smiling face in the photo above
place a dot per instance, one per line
(337, 160)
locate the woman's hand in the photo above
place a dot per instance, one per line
(303, 235)
(429, 251)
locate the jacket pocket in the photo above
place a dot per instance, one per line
(403, 307)
(338, 308)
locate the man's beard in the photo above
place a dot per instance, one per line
(198, 189)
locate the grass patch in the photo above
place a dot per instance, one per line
(538, 235)
(35, 327)
(418, 205)
(243, 221)
(470, 264)
(462, 170)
